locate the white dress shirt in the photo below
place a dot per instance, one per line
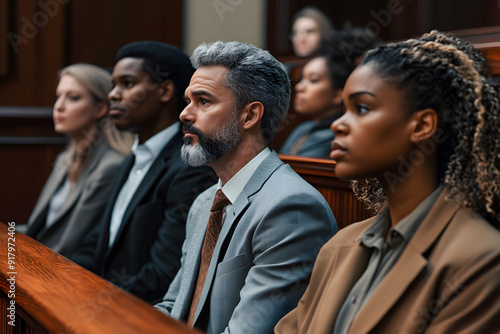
(235, 185)
(145, 155)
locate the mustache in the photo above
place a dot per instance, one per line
(189, 127)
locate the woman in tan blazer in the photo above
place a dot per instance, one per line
(419, 137)
(75, 195)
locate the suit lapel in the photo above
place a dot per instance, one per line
(155, 172)
(260, 176)
(406, 269)
(76, 190)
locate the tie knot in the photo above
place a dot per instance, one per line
(220, 201)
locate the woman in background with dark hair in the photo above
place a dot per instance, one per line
(318, 94)
(419, 137)
(76, 192)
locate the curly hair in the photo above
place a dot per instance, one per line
(442, 72)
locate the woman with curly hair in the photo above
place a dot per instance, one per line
(419, 137)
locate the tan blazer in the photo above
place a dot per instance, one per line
(447, 280)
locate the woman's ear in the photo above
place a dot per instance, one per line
(337, 96)
(166, 90)
(424, 124)
(252, 114)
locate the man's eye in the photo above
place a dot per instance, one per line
(203, 101)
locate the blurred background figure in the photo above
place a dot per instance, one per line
(318, 95)
(309, 27)
(75, 194)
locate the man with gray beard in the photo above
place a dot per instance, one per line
(251, 239)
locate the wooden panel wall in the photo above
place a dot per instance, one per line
(44, 36)
(390, 19)
(4, 28)
(28, 148)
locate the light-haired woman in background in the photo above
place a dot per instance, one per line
(310, 26)
(74, 197)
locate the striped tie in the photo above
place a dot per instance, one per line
(213, 229)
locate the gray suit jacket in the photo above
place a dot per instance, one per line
(85, 204)
(264, 255)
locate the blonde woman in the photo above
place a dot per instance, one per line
(75, 194)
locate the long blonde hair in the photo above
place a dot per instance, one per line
(98, 83)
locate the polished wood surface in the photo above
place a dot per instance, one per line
(54, 295)
(320, 173)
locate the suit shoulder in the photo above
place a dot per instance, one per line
(349, 234)
(107, 161)
(468, 235)
(288, 182)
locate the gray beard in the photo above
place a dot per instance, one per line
(210, 149)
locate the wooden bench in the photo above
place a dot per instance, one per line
(54, 295)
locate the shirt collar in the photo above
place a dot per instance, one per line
(406, 227)
(156, 143)
(235, 185)
(409, 224)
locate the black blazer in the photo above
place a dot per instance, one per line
(145, 256)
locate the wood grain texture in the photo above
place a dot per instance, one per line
(62, 297)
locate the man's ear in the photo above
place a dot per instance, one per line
(101, 110)
(252, 114)
(423, 125)
(166, 90)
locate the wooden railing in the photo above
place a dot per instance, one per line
(43, 292)
(321, 174)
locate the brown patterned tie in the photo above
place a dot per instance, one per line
(211, 236)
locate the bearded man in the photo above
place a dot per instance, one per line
(247, 257)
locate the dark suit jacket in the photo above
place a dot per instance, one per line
(145, 256)
(85, 204)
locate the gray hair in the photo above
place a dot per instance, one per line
(254, 75)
